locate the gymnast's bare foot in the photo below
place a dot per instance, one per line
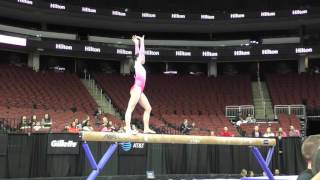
(149, 131)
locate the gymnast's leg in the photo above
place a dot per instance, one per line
(144, 102)
(135, 94)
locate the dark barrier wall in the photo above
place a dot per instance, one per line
(29, 156)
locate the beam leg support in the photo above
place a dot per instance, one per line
(96, 168)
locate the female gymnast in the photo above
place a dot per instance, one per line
(136, 91)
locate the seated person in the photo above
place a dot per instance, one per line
(105, 120)
(46, 121)
(78, 124)
(33, 120)
(86, 126)
(193, 126)
(73, 128)
(243, 173)
(250, 119)
(3, 128)
(294, 132)
(24, 123)
(268, 133)
(212, 133)
(108, 127)
(281, 134)
(37, 126)
(256, 132)
(185, 127)
(240, 120)
(226, 132)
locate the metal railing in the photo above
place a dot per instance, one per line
(297, 109)
(232, 112)
(11, 125)
(97, 90)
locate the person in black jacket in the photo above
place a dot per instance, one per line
(185, 128)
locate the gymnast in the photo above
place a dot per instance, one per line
(136, 91)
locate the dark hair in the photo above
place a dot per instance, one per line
(85, 123)
(310, 146)
(131, 63)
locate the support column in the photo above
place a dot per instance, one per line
(125, 67)
(212, 69)
(34, 61)
(303, 64)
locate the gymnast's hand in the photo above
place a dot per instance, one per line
(140, 38)
(135, 39)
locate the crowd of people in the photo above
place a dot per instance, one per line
(244, 173)
(280, 133)
(34, 123)
(103, 124)
(186, 128)
(243, 120)
(106, 125)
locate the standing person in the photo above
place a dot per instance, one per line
(136, 91)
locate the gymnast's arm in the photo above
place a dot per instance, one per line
(141, 49)
(136, 45)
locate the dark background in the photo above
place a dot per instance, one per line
(27, 157)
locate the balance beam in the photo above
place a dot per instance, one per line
(175, 139)
(171, 139)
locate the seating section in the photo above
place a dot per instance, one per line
(203, 123)
(23, 88)
(201, 98)
(181, 95)
(288, 120)
(248, 128)
(287, 89)
(285, 121)
(117, 123)
(60, 119)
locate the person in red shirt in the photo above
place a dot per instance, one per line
(73, 128)
(226, 132)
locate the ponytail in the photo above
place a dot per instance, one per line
(131, 64)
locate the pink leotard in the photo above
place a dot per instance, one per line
(140, 72)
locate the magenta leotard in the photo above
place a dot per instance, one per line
(140, 72)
